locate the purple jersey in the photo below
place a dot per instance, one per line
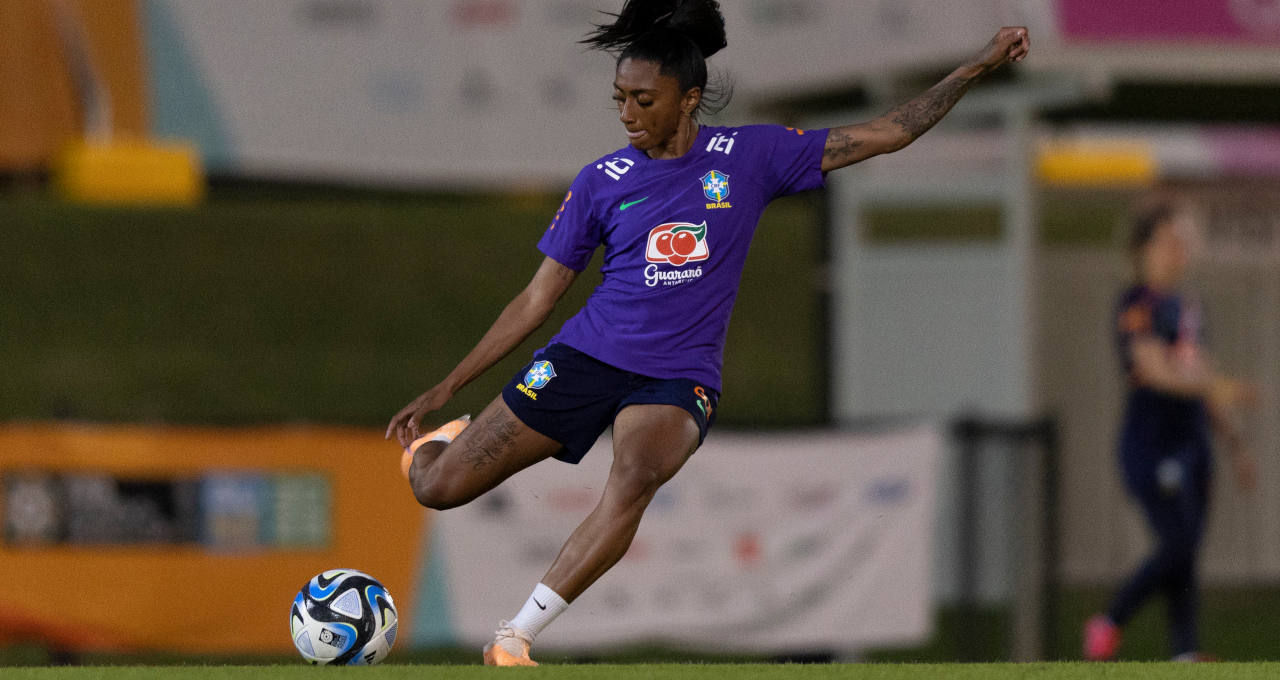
(675, 234)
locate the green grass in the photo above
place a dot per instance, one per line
(1048, 671)
(1238, 625)
(275, 305)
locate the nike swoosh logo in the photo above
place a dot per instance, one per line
(626, 204)
(535, 600)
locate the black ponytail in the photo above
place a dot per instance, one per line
(699, 21)
(678, 35)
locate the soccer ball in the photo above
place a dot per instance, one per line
(343, 616)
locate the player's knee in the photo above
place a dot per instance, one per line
(438, 491)
(637, 482)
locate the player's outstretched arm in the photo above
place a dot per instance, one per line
(1155, 369)
(521, 317)
(849, 144)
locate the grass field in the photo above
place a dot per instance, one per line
(1045, 671)
(1237, 624)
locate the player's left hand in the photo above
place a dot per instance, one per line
(404, 424)
(1010, 45)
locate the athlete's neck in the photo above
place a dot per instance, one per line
(679, 143)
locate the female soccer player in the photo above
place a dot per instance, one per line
(1174, 397)
(675, 211)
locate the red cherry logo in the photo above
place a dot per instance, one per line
(663, 244)
(684, 243)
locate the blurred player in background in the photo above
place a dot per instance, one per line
(1174, 398)
(675, 211)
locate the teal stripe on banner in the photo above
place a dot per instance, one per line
(182, 105)
(433, 616)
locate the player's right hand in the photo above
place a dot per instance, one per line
(1229, 393)
(1009, 45)
(404, 424)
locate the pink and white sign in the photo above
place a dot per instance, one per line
(1179, 21)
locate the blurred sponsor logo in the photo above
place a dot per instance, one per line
(747, 549)
(483, 13)
(663, 501)
(783, 12)
(888, 490)
(814, 496)
(33, 509)
(339, 14)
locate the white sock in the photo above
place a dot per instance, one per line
(542, 607)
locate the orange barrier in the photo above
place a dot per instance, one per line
(193, 597)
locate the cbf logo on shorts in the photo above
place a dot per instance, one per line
(537, 378)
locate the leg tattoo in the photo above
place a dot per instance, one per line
(486, 443)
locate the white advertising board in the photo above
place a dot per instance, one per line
(761, 543)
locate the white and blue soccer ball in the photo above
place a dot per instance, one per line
(344, 617)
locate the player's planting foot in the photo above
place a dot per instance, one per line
(1101, 639)
(510, 647)
(445, 433)
(1194, 657)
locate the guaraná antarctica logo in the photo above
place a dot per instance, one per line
(537, 378)
(675, 243)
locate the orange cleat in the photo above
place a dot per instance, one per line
(445, 433)
(510, 647)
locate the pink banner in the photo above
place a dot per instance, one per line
(1199, 21)
(1244, 150)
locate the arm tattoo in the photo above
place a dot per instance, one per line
(921, 113)
(840, 147)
